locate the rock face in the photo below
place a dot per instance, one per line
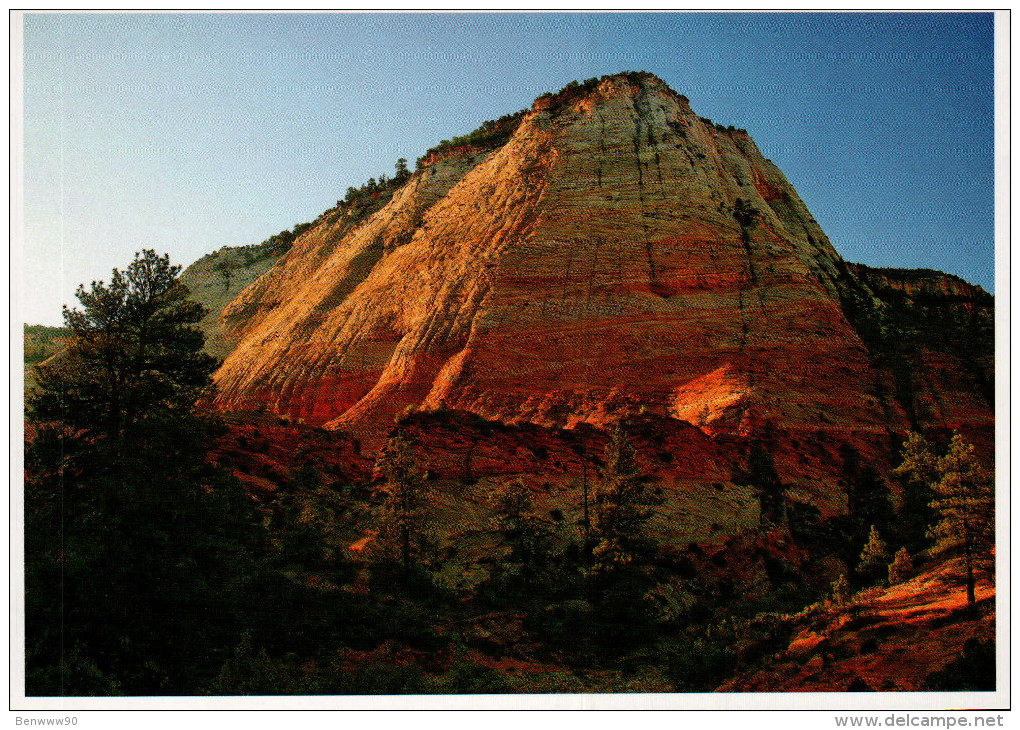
(601, 261)
(931, 338)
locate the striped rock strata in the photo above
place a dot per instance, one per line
(589, 267)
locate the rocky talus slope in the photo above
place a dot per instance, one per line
(593, 265)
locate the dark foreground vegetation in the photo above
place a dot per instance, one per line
(150, 569)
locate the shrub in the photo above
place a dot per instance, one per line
(874, 555)
(840, 590)
(250, 673)
(901, 568)
(468, 678)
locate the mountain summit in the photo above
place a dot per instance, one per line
(605, 252)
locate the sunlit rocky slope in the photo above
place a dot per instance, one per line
(593, 265)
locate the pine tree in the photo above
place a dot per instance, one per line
(402, 172)
(526, 535)
(248, 672)
(874, 556)
(840, 590)
(403, 519)
(134, 355)
(622, 505)
(964, 502)
(919, 462)
(511, 503)
(901, 568)
(917, 472)
(130, 532)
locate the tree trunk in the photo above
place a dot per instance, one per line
(405, 543)
(587, 520)
(971, 598)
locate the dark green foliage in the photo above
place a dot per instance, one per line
(874, 558)
(142, 563)
(375, 193)
(376, 678)
(274, 246)
(901, 568)
(761, 474)
(134, 356)
(962, 491)
(840, 590)
(761, 636)
(700, 658)
(566, 625)
(402, 173)
(527, 536)
(868, 504)
(404, 515)
(807, 528)
(226, 270)
(744, 214)
(468, 678)
(622, 552)
(137, 550)
(916, 474)
(290, 618)
(306, 519)
(973, 671)
(87, 680)
(965, 505)
(623, 505)
(624, 619)
(249, 672)
(698, 665)
(490, 135)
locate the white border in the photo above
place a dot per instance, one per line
(141, 708)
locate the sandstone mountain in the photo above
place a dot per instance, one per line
(608, 252)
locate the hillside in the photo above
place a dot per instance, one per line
(914, 636)
(41, 343)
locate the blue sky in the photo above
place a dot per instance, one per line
(185, 133)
